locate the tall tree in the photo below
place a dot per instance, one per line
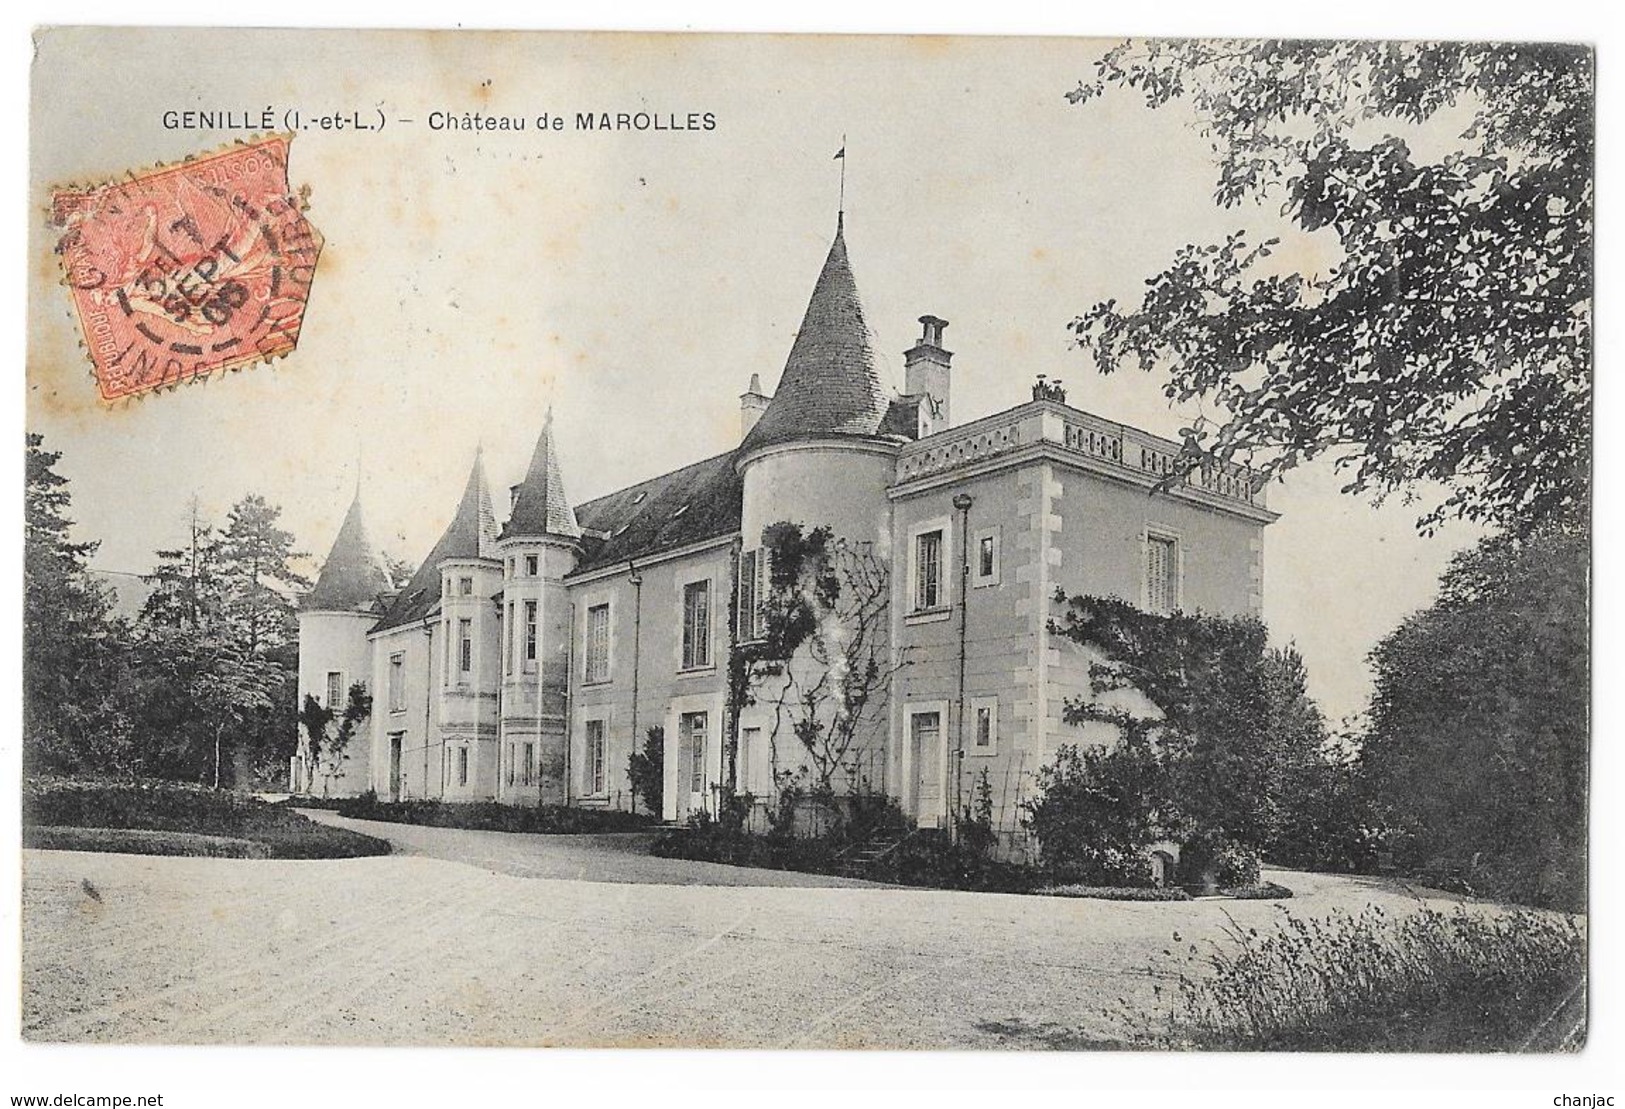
(1451, 341)
(74, 665)
(1477, 744)
(256, 563)
(217, 644)
(188, 586)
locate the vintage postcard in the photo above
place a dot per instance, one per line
(728, 541)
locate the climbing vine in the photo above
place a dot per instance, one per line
(821, 657)
(1206, 764)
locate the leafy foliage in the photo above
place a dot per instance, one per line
(170, 807)
(822, 658)
(1478, 737)
(493, 816)
(76, 676)
(328, 753)
(1095, 811)
(200, 688)
(1212, 764)
(646, 770)
(1451, 340)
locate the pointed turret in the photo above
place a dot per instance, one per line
(472, 533)
(473, 530)
(539, 504)
(831, 384)
(352, 576)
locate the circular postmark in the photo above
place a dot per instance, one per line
(184, 270)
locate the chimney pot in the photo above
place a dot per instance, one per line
(926, 372)
(752, 403)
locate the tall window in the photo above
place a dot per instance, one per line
(928, 570)
(1161, 575)
(752, 587)
(530, 566)
(694, 729)
(984, 725)
(507, 641)
(696, 624)
(530, 635)
(465, 587)
(530, 764)
(593, 761)
(462, 766)
(597, 662)
(397, 682)
(335, 690)
(465, 646)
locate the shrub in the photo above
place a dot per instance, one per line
(138, 841)
(1425, 981)
(492, 816)
(1263, 891)
(646, 770)
(172, 807)
(1094, 812)
(1204, 861)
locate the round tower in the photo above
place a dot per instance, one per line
(819, 454)
(539, 545)
(334, 619)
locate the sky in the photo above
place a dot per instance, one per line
(635, 281)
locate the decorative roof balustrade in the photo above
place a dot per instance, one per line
(1100, 442)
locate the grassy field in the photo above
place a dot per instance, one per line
(168, 818)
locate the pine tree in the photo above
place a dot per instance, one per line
(73, 652)
(256, 564)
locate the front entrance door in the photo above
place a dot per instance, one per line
(925, 739)
(395, 767)
(692, 729)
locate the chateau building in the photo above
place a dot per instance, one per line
(525, 662)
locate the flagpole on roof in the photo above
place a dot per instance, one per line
(840, 156)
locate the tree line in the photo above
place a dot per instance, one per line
(1448, 347)
(199, 686)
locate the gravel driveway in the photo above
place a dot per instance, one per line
(410, 949)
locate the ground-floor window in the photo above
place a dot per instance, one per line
(530, 764)
(593, 761)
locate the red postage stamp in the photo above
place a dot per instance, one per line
(188, 269)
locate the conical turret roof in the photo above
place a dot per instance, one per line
(539, 504)
(472, 533)
(831, 383)
(352, 576)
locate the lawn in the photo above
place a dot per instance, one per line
(147, 817)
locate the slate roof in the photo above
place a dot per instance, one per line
(701, 501)
(352, 577)
(539, 504)
(472, 533)
(831, 383)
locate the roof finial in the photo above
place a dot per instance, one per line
(359, 447)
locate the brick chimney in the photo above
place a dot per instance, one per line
(925, 371)
(752, 403)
